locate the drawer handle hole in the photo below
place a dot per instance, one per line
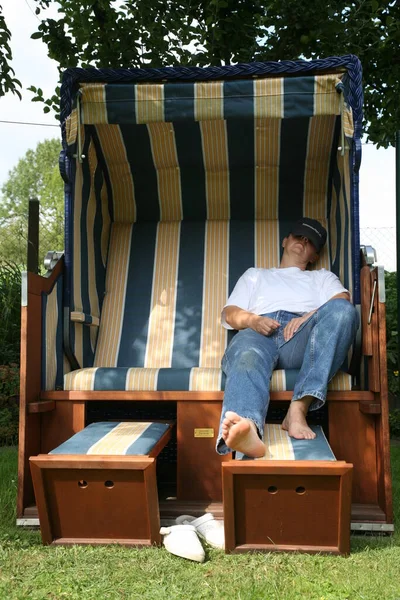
(273, 489)
(300, 490)
(109, 484)
(82, 483)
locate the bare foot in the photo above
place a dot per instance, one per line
(241, 434)
(295, 421)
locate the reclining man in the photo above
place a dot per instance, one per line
(287, 318)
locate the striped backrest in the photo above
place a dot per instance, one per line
(167, 283)
(181, 188)
(53, 360)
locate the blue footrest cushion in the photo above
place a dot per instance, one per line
(280, 446)
(126, 438)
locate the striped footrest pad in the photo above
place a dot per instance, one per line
(280, 446)
(111, 438)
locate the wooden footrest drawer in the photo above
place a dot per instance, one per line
(108, 495)
(287, 505)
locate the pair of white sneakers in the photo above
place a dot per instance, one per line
(182, 539)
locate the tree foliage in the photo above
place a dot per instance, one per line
(35, 176)
(8, 83)
(137, 33)
(213, 32)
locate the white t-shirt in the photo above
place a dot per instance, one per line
(262, 291)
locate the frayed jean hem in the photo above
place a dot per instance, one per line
(318, 402)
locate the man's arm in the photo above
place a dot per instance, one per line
(295, 323)
(344, 295)
(238, 319)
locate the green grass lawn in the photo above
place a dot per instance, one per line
(30, 570)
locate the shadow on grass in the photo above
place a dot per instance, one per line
(21, 537)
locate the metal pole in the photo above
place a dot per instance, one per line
(33, 236)
(398, 243)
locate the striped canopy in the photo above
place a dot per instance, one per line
(276, 98)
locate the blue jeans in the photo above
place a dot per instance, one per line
(318, 349)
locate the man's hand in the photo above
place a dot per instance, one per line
(264, 325)
(294, 325)
(242, 319)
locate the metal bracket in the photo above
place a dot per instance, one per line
(371, 308)
(378, 527)
(381, 282)
(51, 259)
(24, 288)
(369, 254)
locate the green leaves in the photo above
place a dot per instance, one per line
(138, 33)
(35, 176)
(8, 83)
(52, 103)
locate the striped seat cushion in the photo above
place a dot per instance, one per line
(110, 438)
(167, 379)
(280, 446)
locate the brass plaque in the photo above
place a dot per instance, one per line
(203, 432)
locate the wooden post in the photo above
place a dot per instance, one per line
(33, 236)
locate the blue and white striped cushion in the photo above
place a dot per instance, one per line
(196, 379)
(110, 438)
(280, 446)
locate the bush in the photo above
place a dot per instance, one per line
(391, 333)
(10, 312)
(9, 404)
(392, 348)
(394, 422)
(10, 319)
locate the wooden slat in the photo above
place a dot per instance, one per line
(373, 361)
(370, 408)
(189, 396)
(88, 461)
(382, 430)
(60, 424)
(367, 512)
(30, 380)
(199, 466)
(163, 441)
(172, 508)
(287, 467)
(345, 512)
(352, 438)
(365, 305)
(30, 383)
(41, 406)
(101, 542)
(245, 548)
(37, 284)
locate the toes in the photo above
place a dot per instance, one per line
(232, 417)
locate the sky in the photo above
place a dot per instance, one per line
(33, 67)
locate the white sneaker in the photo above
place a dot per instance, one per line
(211, 530)
(182, 541)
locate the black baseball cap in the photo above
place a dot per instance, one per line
(312, 230)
